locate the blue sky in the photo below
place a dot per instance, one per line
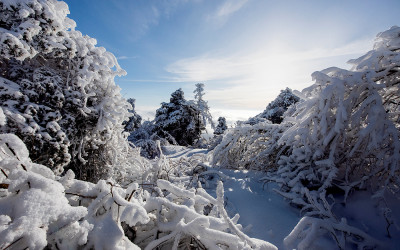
(244, 51)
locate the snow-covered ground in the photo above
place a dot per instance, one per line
(266, 215)
(263, 213)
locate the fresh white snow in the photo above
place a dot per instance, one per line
(264, 214)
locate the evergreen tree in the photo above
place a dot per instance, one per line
(57, 90)
(275, 109)
(202, 105)
(135, 119)
(178, 119)
(221, 127)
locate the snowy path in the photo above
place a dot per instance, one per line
(263, 213)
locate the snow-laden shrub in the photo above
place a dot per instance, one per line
(33, 207)
(250, 146)
(181, 169)
(41, 210)
(145, 138)
(179, 221)
(346, 136)
(346, 129)
(342, 135)
(57, 90)
(253, 144)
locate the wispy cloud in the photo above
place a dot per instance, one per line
(251, 79)
(230, 7)
(126, 57)
(225, 11)
(247, 66)
(151, 80)
(147, 112)
(204, 68)
(143, 17)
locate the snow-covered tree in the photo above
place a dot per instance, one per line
(275, 109)
(347, 124)
(135, 119)
(221, 127)
(178, 119)
(57, 90)
(202, 105)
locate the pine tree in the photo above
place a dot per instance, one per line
(221, 127)
(179, 119)
(203, 105)
(275, 109)
(135, 119)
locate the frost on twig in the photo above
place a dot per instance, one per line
(34, 208)
(179, 220)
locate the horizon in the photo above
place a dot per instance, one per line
(244, 51)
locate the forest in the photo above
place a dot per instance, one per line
(80, 169)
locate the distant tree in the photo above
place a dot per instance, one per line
(254, 120)
(135, 119)
(221, 127)
(179, 119)
(203, 105)
(276, 108)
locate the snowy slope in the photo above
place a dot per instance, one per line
(263, 213)
(266, 215)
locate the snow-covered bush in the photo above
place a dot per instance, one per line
(253, 144)
(145, 137)
(178, 119)
(250, 146)
(346, 134)
(345, 125)
(39, 209)
(33, 207)
(343, 135)
(57, 90)
(179, 221)
(253, 120)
